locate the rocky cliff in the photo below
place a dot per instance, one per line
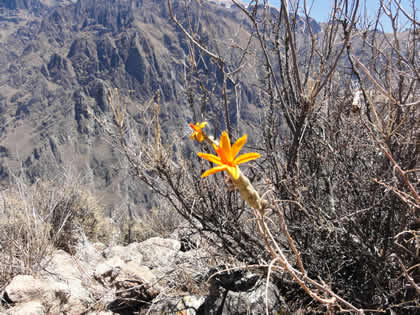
(58, 59)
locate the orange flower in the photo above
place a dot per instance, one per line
(197, 133)
(226, 156)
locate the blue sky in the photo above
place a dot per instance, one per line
(321, 9)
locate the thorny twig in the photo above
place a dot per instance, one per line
(405, 271)
(403, 174)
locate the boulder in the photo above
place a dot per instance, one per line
(126, 253)
(159, 252)
(185, 305)
(107, 272)
(130, 283)
(135, 286)
(63, 264)
(28, 308)
(134, 271)
(24, 289)
(89, 255)
(241, 292)
(66, 270)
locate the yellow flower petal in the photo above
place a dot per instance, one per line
(246, 157)
(233, 171)
(225, 148)
(195, 127)
(214, 170)
(238, 145)
(198, 132)
(226, 155)
(210, 157)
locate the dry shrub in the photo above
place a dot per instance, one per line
(343, 177)
(159, 222)
(37, 218)
(24, 238)
(72, 210)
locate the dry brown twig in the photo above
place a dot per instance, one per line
(406, 273)
(404, 175)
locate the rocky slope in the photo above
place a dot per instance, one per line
(155, 276)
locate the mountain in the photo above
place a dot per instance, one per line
(59, 58)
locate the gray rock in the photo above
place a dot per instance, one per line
(28, 308)
(107, 272)
(159, 252)
(135, 285)
(129, 283)
(25, 288)
(134, 271)
(126, 253)
(186, 305)
(89, 255)
(241, 292)
(65, 270)
(63, 264)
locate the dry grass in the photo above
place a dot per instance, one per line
(38, 218)
(158, 222)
